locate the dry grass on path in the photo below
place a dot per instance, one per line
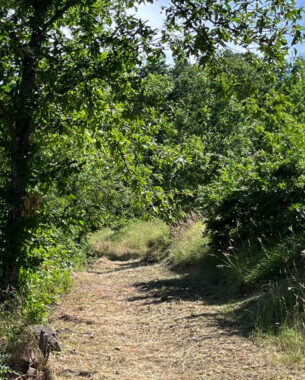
(127, 320)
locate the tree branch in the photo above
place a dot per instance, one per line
(59, 13)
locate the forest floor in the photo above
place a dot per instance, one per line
(129, 320)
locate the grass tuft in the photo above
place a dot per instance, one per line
(187, 244)
(288, 345)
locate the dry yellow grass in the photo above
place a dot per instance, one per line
(127, 320)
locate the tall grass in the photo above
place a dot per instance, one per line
(275, 270)
(287, 345)
(187, 243)
(180, 245)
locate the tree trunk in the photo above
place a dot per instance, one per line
(10, 276)
(19, 152)
(14, 254)
(15, 229)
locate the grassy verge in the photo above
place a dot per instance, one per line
(40, 288)
(187, 244)
(287, 345)
(181, 245)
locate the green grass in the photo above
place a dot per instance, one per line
(181, 245)
(276, 270)
(103, 235)
(187, 246)
(288, 345)
(133, 240)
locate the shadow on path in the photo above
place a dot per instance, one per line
(126, 266)
(186, 288)
(124, 257)
(239, 320)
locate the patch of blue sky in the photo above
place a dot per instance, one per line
(301, 47)
(152, 13)
(154, 17)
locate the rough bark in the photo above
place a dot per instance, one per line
(16, 220)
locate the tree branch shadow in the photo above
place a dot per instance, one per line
(123, 267)
(237, 314)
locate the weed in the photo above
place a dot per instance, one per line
(5, 369)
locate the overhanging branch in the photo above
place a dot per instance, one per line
(59, 14)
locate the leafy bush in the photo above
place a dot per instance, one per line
(5, 369)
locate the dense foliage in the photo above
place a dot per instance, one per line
(96, 130)
(240, 135)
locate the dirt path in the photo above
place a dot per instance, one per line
(126, 320)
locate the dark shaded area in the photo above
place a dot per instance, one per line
(194, 288)
(71, 318)
(125, 266)
(185, 288)
(124, 257)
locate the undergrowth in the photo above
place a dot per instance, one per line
(40, 288)
(179, 245)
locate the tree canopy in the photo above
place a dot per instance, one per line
(69, 72)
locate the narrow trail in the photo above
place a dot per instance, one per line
(126, 320)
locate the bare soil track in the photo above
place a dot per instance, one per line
(128, 320)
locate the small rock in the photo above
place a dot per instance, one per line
(32, 372)
(52, 336)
